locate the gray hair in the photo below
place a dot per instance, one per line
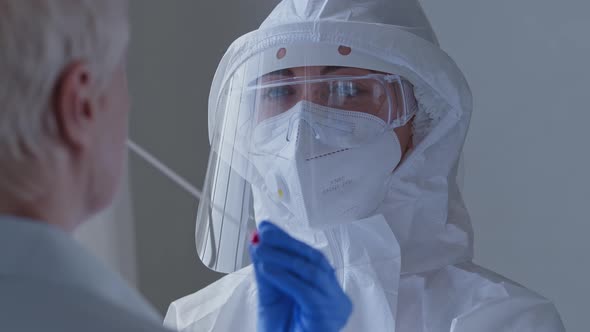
(38, 40)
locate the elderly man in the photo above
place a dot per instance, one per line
(63, 125)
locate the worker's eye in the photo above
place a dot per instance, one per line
(345, 89)
(277, 92)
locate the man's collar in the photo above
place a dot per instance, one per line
(40, 252)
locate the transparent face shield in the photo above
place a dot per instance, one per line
(283, 144)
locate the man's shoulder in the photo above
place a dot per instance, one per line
(28, 305)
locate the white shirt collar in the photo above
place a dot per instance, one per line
(40, 252)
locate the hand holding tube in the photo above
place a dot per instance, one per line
(297, 287)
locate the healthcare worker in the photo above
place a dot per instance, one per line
(343, 122)
(63, 127)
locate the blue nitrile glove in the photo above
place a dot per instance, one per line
(297, 287)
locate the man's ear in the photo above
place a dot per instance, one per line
(74, 105)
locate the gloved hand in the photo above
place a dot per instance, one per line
(297, 287)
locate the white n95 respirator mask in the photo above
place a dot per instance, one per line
(315, 164)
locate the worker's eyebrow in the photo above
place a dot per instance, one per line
(282, 72)
(330, 69)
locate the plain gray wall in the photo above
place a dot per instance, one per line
(526, 159)
(527, 156)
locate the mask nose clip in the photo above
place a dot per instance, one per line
(298, 120)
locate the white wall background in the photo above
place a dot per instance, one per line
(526, 160)
(527, 157)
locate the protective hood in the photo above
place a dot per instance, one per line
(423, 207)
(403, 14)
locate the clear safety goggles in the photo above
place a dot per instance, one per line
(273, 99)
(379, 95)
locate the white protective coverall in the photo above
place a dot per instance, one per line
(409, 268)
